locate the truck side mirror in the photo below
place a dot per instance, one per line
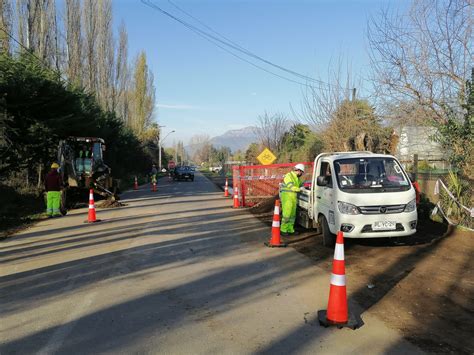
(321, 181)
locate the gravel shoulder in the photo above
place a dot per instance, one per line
(422, 285)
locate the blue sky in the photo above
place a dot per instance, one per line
(201, 89)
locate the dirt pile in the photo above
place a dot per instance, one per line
(264, 206)
(110, 204)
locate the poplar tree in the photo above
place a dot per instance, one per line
(142, 96)
(74, 41)
(5, 25)
(105, 54)
(89, 16)
(122, 76)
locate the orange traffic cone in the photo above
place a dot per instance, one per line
(337, 313)
(236, 198)
(275, 241)
(91, 218)
(135, 185)
(226, 188)
(153, 187)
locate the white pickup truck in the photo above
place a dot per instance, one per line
(363, 194)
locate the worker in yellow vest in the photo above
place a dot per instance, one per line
(288, 193)
(53, 184)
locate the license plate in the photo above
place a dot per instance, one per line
(384, 226)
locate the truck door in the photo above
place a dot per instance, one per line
(324, 202)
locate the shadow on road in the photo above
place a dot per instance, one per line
(135, 320)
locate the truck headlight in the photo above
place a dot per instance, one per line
(410, 206)
(347, 208)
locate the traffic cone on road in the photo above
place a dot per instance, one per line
(91, 218)
(153, 186)
(135, 185)
(337, 313)
(226, 188)
(236, 197)
(275, 240)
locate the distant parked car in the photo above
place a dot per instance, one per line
(215, 169)
(183, 173)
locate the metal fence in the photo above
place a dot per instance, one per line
(259, 182)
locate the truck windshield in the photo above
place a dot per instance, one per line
(362, 175)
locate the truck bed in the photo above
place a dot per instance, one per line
(302, 217)
(303, 199)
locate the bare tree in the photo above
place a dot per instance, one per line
(27, 11)
(425, 55)
(37, 29)
(56, 52)
(271, 129)
(105, 54)
(89, 16)
(74, 41)
(321, 101)
(122, 76)
(6, 25)
(201, 147)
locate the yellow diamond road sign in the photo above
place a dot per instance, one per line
(266, 157)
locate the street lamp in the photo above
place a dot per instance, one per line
(160, 141)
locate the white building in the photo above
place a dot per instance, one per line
(419, 140)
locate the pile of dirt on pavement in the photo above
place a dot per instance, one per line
(110, 204)
(264, 206)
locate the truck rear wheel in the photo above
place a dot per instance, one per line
(329, 239)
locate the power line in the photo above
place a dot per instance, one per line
(246, 51)
(206, 26)
(227, 42)
(31, 53)
(190, 27)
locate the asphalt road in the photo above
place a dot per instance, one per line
(176, 271)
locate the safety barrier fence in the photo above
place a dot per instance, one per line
(259, 182)
(452, 210)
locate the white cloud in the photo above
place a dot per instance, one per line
(253, 94)
(178, 107)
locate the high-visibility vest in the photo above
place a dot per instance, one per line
(291, 183)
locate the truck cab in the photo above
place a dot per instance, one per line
(362, 194)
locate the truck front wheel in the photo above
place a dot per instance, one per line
(329, 239)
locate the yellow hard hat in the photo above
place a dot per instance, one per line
(55, 166)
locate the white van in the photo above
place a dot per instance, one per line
(362, 194)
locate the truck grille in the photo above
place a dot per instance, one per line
(368, 229)
(381, 209)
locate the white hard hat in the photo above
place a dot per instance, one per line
(299, 167)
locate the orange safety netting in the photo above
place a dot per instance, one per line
(259, 182)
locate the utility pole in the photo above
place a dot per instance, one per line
(160, 142)
(175, 153)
